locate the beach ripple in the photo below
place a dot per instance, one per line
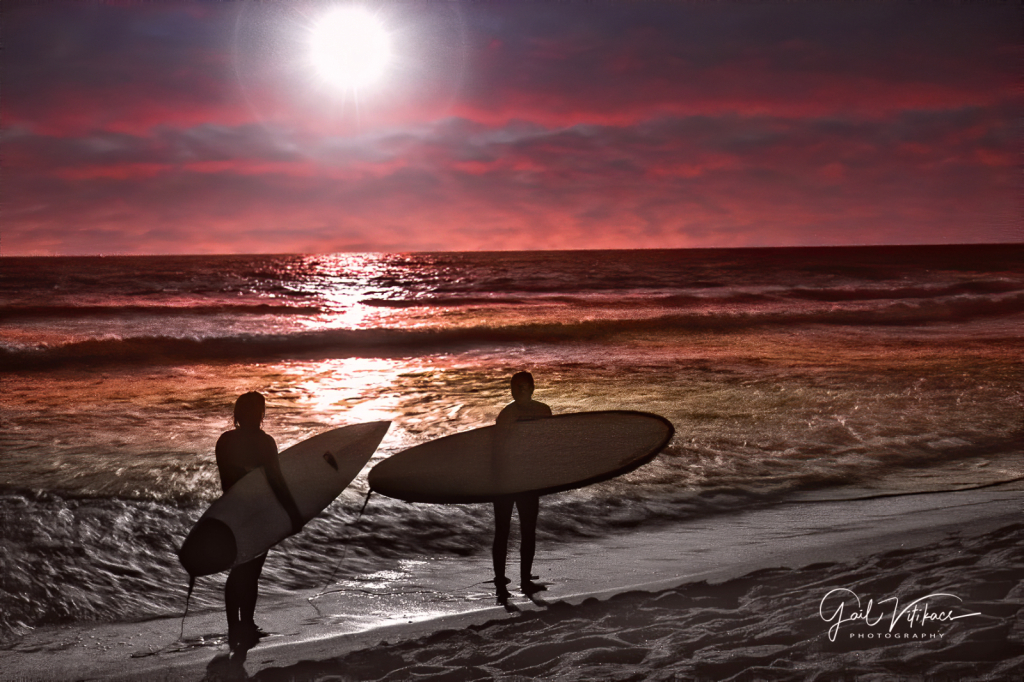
(763, 626)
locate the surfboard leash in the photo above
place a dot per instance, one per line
(188, 598)
(344, 554)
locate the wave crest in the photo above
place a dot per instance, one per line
(382, 342)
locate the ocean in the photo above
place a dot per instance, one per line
(818, 373)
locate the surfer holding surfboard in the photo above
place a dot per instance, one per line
(267, 497)
(243, 449)
(523, 407)
(528, 453)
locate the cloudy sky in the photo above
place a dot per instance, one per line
(217, 128)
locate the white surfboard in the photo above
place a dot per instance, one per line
(544, 455)
(248, 520)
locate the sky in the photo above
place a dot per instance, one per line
(214, 127)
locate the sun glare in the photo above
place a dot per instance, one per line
(350, 48)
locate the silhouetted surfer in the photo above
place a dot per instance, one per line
(527, 504)
(239, 451)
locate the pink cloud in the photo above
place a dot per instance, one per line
(555, 135)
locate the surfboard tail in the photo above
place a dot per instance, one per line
(209, 548)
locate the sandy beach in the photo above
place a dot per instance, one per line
(769, 594)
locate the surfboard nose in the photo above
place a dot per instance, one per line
(377, 430)
(209, 548)
(370, 434)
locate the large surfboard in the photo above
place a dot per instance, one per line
(248, 520)
(545, 455)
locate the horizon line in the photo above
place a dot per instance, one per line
(498, 251)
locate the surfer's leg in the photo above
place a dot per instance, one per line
(240, 595)
(232, 601)
(499, 550)
(528, 507)
(247, 609)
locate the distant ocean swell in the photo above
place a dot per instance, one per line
(375, 342)
(717, 294)
(517, 295)
(85, 311)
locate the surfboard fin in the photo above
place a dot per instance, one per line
(366, 502)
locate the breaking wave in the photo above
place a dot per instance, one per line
(383, 342)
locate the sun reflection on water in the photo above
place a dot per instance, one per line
(342, 283)
(359, 387)
(317, 394)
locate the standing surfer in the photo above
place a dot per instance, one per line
(239, 451)
(527, 504)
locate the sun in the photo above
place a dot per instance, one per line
(350, 48)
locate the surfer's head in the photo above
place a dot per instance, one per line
(522, 385)
(249, 410)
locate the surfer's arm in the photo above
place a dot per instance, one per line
(505, 418)
(228, 477)
(272, 466)
(503, 426)
(502, 430)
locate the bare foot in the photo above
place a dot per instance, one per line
(530, 587)
(499, 587)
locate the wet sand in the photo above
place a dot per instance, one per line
(734, 597)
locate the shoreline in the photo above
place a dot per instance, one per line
(443, 597)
